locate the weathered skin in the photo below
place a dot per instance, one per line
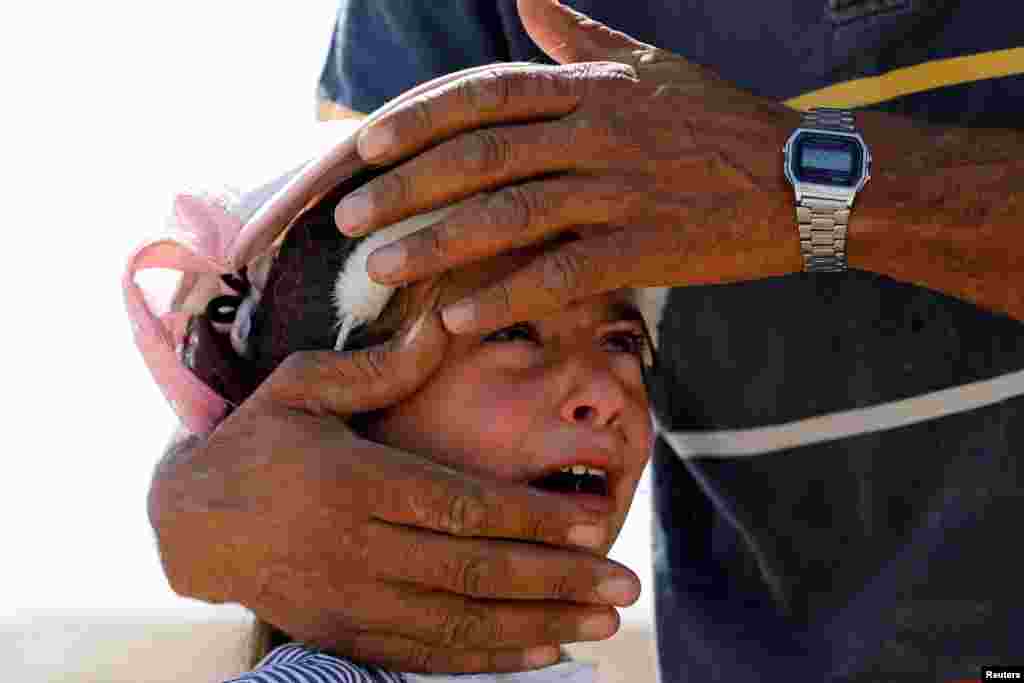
(682, 173)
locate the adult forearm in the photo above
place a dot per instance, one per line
(944, 210)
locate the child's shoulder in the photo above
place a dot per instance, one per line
(298, 663)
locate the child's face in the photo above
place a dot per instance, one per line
(521, 403)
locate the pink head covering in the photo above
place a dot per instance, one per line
(211, 236)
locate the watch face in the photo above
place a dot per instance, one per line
(825, 159)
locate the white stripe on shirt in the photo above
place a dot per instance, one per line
(833, 426)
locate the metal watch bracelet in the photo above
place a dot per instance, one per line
(821, 221)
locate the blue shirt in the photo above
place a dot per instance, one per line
(880, 556)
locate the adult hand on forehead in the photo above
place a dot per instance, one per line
(673, 174)
(370, 552)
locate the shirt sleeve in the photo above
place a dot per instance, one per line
(294, 663)
(381, 48)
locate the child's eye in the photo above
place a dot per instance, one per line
(629, 342)
(519, 331)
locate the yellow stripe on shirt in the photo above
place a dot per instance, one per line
(862, 92)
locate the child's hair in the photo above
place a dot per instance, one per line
(296, 311)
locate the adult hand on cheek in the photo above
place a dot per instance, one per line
(675, 175)
(373, 553)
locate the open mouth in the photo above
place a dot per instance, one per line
(574, 479)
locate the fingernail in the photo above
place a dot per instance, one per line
(596, 627)
(617, 591)
(386, 260)
(587, 536)
(375, 141)
(353, 212)
(459, 316)
(543, 655)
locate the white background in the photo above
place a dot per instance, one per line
(110, 109)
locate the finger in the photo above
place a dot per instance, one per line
(606, 259)
(358, 638)
(467, 164)
(549, 283)
(512, 217)
(506, 570)
(427, 495)
(403, 654)
(330, 382)
(447, 620)
(452, 621)
(505, 94)
(567, 36)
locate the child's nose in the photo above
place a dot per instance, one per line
(596, 398)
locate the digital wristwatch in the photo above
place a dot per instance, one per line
(827, 163)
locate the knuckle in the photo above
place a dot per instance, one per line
(468, 629)
(474, 576)
(434, 244)
(562, 587)
(466, 515)
(561, 81)
(487, 92)
(393, 188)
(449, 630)
(422, 659)
(563, 271)
(620, 73)
(504, 296)
(418, 117)
(514, 207)
(584, 71)
(597, 76)
(487, 151)
(371, 363)
(521, 85)
(497, 301)
(538, 529)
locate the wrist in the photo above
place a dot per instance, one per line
(828, 164)
(920, 173)
(940, 212)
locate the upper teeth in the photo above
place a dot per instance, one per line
(583, 469)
